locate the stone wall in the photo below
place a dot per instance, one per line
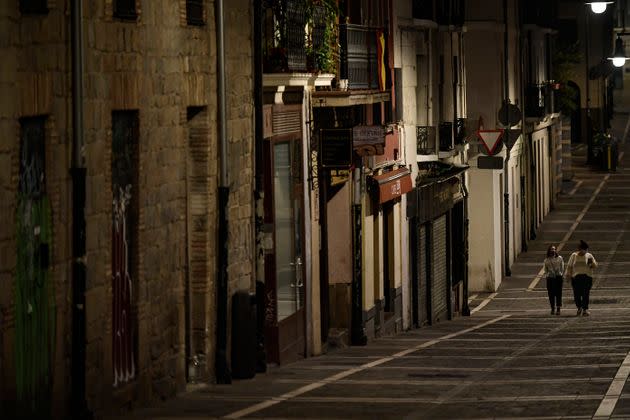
(238, 23)
(34, 82)
(162, 68)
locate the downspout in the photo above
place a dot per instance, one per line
(466, 221)
(526, 144)
(589, 140)
(223, 374)
(506, 190)
(261, 363)
(78, 175)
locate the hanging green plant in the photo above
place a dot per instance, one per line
(322, 45)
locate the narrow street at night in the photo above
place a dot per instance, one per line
(510, 359)
(326, 209)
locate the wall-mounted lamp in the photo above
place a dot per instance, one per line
(598, 6)
(619, 56)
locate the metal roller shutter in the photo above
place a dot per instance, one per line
(439, 280)
(422, 276)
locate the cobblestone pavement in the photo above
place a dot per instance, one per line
(510, 359)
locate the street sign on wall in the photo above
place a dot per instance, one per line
(335, 148)
(368, 140)
(490, 162)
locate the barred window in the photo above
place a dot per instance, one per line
(125, 9)
(34, 7)
(194, 12)
(32, 182)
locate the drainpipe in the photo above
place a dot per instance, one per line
(78, 175)
(357, 329)
(466, 221)
(506, 190)
(522, 187)
(589, 137)
(261, 363)
(224, 376)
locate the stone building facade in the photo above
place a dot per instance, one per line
(151, 153)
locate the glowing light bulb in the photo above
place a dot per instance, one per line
(598, 7)
(619, 61)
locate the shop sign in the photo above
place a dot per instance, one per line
(368, 140)
(438, 198)
(339, 176)
(335, 148)
(393, 184)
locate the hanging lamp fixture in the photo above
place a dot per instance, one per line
(619, 56)
(598, 6)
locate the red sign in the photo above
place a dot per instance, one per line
(490, 139)
(393, 184)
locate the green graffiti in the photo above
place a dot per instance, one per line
(34, 307)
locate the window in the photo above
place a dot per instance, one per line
(125, 9)
(124, 264)
(32, 156)
(194, 12)
(34, 7)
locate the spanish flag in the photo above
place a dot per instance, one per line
(380, 59)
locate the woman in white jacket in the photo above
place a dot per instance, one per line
(580, 270)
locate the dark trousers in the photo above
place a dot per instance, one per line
(581, 290)
(554, 290)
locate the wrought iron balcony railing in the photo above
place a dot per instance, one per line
(423, 9)
(451, 12)
(534, 101)
(359, 55)
(425, 140)
(446, 136)
(550, 100)
(543, 13)
(460, 131)
(298, 36)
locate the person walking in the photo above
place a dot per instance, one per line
(580, 270)
(554, 270)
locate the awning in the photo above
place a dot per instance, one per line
(335, 98)
(392, 184)
(438, 172)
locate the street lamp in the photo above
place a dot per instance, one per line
(598, 6)
(619, 56)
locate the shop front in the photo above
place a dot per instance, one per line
(439, 254)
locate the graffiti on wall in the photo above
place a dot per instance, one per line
(34, 292)
(124, 143)
(123, 360)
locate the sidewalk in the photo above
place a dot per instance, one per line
(510, 359)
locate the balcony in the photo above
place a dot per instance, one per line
(297, 37)
(543, 13)
(446, 136)
(425, 140)
(550, 100)
(451, 12)
(534, 101)
(359, 56)
(423, 9)
(460, 131)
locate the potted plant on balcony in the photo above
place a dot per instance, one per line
(322, 40)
